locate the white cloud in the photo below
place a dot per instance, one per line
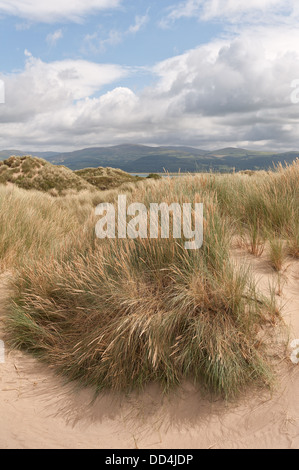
(225, 92)
(140, 21)
(49, 88)
(235, 90)
(233, 10)
(55, 10)
(184, 9)
(52, 38)
(95, 43)
(114, 37)
(23, 26)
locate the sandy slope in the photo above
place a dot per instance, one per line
(38, 411)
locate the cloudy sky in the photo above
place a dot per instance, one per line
(204, 73)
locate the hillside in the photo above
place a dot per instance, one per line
(35, 173)
(147, 159)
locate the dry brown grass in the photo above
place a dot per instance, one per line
(119, 314)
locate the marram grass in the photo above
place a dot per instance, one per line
(119, 314)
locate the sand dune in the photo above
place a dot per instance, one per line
(38, 411)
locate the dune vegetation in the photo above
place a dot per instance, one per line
(106, 178)
(35, 173)
(118, 314)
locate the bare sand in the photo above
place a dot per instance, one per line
(38, 411)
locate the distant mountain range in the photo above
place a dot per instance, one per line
(146, 159)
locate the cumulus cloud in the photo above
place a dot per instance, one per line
(55, 10)
(242, 86)
(226, 92)
(46, 88)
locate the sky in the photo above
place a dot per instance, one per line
(201, 73)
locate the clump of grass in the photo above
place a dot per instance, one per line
(276, 253)
(293, 239)
(256, 239)
(154, 176)
(119, 314)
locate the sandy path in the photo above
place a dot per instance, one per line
(38, 411)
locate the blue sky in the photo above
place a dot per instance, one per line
(105, 37)
(205, 73)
